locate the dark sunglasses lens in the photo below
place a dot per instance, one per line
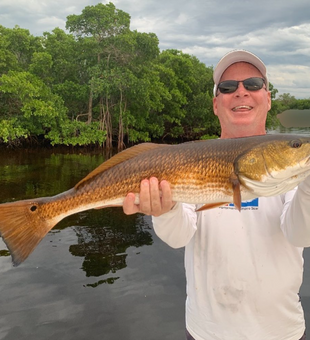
(253, 84)
(228, 86)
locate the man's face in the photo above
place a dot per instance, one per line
(242, 113)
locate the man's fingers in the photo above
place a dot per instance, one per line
(145, 198)
(129, 206)
(155, 196)
(154, 199)
(166, 193)
(166, 200)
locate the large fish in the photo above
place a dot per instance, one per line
(212, 172)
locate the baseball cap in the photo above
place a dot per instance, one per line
(236, 56)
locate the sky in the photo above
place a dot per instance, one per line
(278, 31)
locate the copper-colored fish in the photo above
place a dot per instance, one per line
(213, 173)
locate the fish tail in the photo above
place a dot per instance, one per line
(22, 227)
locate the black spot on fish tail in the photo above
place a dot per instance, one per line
(22, 228)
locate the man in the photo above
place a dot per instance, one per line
(244, 270)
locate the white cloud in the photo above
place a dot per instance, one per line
(182, 19)
(293, 79)
(277, 31)
(51, 22)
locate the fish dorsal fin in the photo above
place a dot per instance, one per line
(119, 158)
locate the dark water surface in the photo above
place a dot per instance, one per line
(98, 274)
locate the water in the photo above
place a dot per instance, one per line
(98, 274)
(281, 129)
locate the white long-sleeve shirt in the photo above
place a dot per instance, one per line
(243, 269)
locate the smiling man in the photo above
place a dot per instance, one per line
(242, 99)
(243, 270)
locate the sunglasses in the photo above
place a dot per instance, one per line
(250, 84)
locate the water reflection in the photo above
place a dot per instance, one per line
(103, 236)
(104, 247)
(36, 173)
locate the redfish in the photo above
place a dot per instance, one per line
(211, 172)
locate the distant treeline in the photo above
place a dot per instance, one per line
(104, 84)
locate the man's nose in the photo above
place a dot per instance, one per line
(241, 90)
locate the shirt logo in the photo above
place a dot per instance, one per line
(245, 205)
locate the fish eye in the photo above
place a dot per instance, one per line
(296, 144)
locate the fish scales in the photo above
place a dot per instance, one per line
(212, 173)
(184, 169)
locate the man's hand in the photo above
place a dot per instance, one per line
(152, 202)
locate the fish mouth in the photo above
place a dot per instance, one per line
(242, 108)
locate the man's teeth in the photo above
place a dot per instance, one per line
(242, 107)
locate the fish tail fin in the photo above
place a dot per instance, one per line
(22, 227)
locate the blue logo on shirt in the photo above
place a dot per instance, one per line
(251, 203)
(245, 205)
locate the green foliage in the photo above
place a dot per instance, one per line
(68, 57)
(10, 130)
(34, 109)
(41, 65)
(16, 47)
(188, 108)
(104, 84)
(205, 137)
(74, 95)
(100, 21)
(77, 133)
(301, 104)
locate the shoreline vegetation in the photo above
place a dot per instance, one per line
(103, 85)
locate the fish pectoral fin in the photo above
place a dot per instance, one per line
(211, 206)
(236, 191)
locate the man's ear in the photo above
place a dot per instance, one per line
(269, 100)
(215, 105)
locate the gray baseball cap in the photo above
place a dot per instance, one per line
(236, 56)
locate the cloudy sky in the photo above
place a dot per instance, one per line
(278, 31)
